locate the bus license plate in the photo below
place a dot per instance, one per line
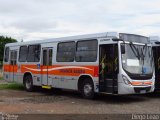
(143, 91)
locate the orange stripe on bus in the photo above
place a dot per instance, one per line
(64, 70)
(10, 68)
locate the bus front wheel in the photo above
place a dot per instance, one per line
(88, 89)
(28, 83)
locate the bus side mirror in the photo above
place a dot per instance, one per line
(123, 49)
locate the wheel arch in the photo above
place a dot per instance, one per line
(81, 80)
(25, 74)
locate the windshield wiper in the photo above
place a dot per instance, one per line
(143, 53)
(135, 50)
(150, 54)
(139, 53)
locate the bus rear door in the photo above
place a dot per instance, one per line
(46, 64)
(13, 65)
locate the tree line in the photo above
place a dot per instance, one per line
(3, 41)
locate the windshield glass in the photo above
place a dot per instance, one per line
(137, 59)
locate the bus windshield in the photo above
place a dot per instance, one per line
(137, 59)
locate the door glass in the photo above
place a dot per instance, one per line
(12, 54)
(13, 58)
(44, 57)
(50, 57)
(47, 57)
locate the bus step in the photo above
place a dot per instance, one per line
(46, 87)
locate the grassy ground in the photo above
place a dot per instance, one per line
(12, 86)
(1, 78)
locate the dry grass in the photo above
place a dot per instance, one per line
(1, 76)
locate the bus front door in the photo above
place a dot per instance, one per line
(108, 68)
(13, 65)
(46, 65)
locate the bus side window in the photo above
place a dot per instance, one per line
(33, 53)
(66, 52)
(23, 53)
(86, 51)
(6, 57)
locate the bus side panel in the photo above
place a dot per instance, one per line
(34, 70)
(63, 76)
(10, 72)
(67, 76)
(6, 72)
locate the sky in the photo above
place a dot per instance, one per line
(42, 19)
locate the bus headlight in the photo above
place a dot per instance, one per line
(125, 79)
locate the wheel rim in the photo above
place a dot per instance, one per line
(87, 89)
(28, 83)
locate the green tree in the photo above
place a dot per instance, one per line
(3, 41)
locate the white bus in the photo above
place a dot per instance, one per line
(113, 63)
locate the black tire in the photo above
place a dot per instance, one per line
(28, 83)
(88, 89)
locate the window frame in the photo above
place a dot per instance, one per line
(5, 54)
(20, 52)
(86, 50)
(65, 51)
(34, 53)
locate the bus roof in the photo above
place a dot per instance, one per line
(154, 39)
(71, 38)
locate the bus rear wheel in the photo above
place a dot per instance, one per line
(28, 83)
(88, 89)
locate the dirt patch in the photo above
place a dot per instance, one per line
(64, 102)
(43, 99)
